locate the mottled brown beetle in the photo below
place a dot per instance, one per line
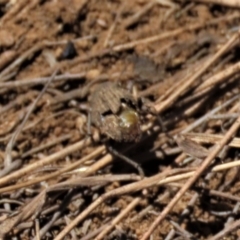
(113, 110)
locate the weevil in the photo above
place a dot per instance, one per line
(114, 110)
(116, 113)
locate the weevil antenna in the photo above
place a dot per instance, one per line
(89, 121)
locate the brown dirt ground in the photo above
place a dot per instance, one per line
(106, 37)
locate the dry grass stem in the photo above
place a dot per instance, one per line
(44, 80)
(220, 76)
(230, 3)
(118, 218)
(211, 138)
(10, 145)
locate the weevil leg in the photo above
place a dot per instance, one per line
(149, 108)
(153, 111)
(127, 160)
(89, 122)
(89, 134)
(93, 137)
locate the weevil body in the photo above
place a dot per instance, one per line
(114, 112)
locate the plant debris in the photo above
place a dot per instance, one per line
(179, 58)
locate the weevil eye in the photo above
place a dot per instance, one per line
(128, 118)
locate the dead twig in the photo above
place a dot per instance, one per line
(137, 16)
(229, 3)
(20, 60)
(219, 77)
(11, 167)
(182, 231)
(16, 8)
(10, 145)
(37, 229)
(113, 26)
(211, 138)
(118, 218)
(56, 214)
(46, 145)
(43, 80)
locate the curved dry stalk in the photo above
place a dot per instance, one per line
(11, 143)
